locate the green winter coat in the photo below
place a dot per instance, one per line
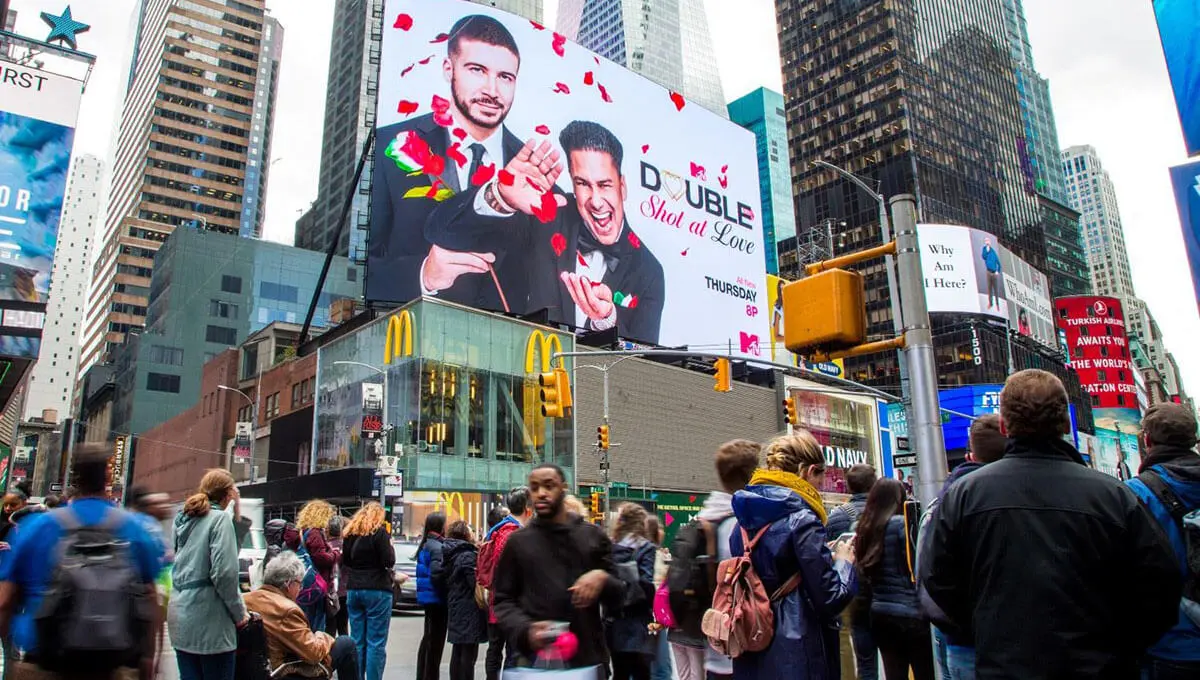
(206, 602)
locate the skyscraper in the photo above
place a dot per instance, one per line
(53, 377)
(667, 41)
(761, 112)
(350, 99)
(193, 147)
(1092, 194)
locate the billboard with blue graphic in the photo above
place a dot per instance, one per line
(1177, 22)
(1186, 180)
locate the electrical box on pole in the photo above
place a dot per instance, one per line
(825, 312)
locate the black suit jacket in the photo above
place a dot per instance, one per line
(398, 243)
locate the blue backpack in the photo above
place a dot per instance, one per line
(1188, 522)
(313, 588)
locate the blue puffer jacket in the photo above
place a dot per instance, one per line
(1182, 474)
(431, 582)
(892, 589)
(805, 646)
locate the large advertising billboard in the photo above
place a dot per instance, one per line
(517, 171)
(1186, 180)
(967, 271)
(1177, 22)
(1099, 351)
(846, 427)
(38, 111)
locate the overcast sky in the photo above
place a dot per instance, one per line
(1103, 59)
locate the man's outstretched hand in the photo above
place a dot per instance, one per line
(443, 267)
(534, 170)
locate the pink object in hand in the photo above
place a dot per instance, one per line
(565, 646)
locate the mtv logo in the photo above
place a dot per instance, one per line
(749, 344)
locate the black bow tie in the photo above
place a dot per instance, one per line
(612, 254)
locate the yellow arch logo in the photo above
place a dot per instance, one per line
(453, 502)
(542, 346)
(399, 340)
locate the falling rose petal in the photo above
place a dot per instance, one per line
(589, 78)
(537, 26)
(435, 165)
(699, 172)
(677, 100)
(482, 174)
(425, 61)
(455, 154)
(604, 94)
(530, 182)
(724, 181)
(407, 69)
(505, 177)
(645, 148)
(557, 44)
(559, 243)
(406, 107)
(444, 119)
(593, 284)
(441, 38)
(562, 88)
(685, 252)
(634, 240)
(459, 132)
(542, 130)
(432, 193)
(597, 59)
(724, 168)
(579, 256)
(548, 210)
(439, 104)
(403, 22)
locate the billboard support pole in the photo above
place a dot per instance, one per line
(335, 238)
(926, 426)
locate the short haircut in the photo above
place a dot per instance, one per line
(736, 462)
(89, 468)
(283, 569)
(860, 478)
(496, 515)
(484, 29)
(518, 500)
(584, 135)
(562, 476)
(985, 440)
(1033, 404)
(1170, 425)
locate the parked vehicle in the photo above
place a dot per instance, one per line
(404, 595)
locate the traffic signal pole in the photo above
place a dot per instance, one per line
(926, 425)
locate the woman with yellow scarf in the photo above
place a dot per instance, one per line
(783, 503)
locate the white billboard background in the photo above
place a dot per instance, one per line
(956, 281)
(693, 143)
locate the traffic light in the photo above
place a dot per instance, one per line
(824, 312)
(602, 437)
(595, 503)
(789, 411)
(555, 393)
(724, 379)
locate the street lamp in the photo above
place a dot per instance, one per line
(253, 421)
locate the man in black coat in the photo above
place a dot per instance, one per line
(1053, 570)
(445, 156)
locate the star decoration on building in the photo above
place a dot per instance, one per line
(64, 27)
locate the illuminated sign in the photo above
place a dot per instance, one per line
(544, 345)
(18, 318)
(399, 339)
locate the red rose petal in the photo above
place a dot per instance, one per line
(589, 78)
(542, 130)
(724, 168)
(645, 148)
(459, 132)
(677, 100)
(537, 26)
(724, 181)
(533, 184)
(597, 59)
(439, 104)
(505, 177)
(406, 107)
(562, 88)
(634, 240)
(685, 252)
(435, 165)
(443, 119)
(425, 61)
(441, 38)
(482, 174)
(455, 154)
(593, 284)
(579, 256)
(557, 44)
(604, 94)
(548, 210)
(559, 243)
(403, 22)
(406, 70)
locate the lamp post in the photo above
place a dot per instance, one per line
(253, 421)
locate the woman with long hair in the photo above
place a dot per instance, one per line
(431, 594)
(633, 554)
(782, 516)
(312, 521)
(467, 622)
(206, 607)
(368, 559)
(660, 668)
(884, 555)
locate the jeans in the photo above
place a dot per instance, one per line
(1163, 669)
(660, 667)
(315, 614)
(993, 286)
(206, 666)
(866, 654)
(961, 661)
(433, 642)
(941, 648)
(370, 614)
(462, 661)
(499, 653)
(904, 643)
(344, 657)
(690, 661)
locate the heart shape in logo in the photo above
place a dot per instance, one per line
(673, 184)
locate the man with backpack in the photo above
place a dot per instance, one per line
(1168, 484)
(77, 593)
(519, 512)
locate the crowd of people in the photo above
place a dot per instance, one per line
(1027, 565)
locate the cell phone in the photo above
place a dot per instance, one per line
(848, 536)
(555, 629)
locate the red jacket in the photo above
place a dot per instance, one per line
(489, 557)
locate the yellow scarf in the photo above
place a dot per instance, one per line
(794, 482)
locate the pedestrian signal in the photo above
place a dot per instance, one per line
(555, 393)
(602, 437)
(724, 379)
(789, 411)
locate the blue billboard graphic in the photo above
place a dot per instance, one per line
(1177, 24)
(1186, 180)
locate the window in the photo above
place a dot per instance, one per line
(231, 284)
(244, 414)
(223, 310)
(1103, 351)
(273, 405)
(278, 291)
(296, 394)
(161, 354)
(1083, 330)
(1108, 330)
(1078, 352)
(1101, 376)
(1095, 401)
(221, 334)
(162, 382)
(1120, 376)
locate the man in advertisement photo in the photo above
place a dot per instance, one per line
(991, 262)
(481, 65)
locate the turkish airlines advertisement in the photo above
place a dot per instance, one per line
(516, 171)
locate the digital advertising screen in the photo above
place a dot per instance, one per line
(1186, 181)
(1177, 25)
(516, 171)
(1097, 340)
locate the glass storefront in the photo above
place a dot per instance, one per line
(460, 400)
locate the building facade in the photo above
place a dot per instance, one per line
(1092, 194)
(52, 382)
(761, 112)
(667, 41)
(192, 148)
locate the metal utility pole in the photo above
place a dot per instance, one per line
(925, 426)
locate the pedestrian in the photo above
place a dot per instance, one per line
(431, 595)
(206, 607)
(150, 510)
(290, 639)
(312, 521)
(338, 622)
(279, 535)
(660, 666)
(53, 501)
(782, 506)
(368, 560)
(629, 641)
(500, 652)
(1169, 477)
(10, 504)
(466, 621)
(843, 520)
(553, 575)
(883, 554)
(33, 569)
(953, 652)
(1044, 563)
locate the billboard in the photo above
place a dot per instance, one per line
(1186, 181)
(38, 110)
(968, 271)
(1099, 351)
(519, 172)
(846, 428)
(1177, 22)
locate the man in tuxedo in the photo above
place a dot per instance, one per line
(481, 65)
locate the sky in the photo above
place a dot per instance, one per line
(1107, 78)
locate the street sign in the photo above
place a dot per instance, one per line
(620, 486)
(388, 466)
(907, 460)
(56, 487)
(393, 486)
(902, 443)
